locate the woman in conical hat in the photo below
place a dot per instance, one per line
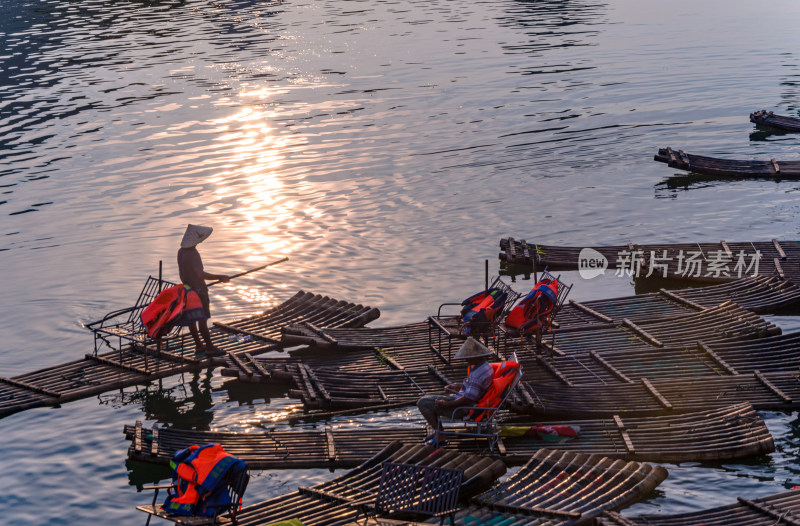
(475, 385)
(194, 276)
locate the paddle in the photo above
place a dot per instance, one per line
(251, 270)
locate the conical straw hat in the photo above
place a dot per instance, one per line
(195, 234)
(471, 348)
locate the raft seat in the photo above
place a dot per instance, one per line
(537, 313)
(123, 328)
(236, 479)
(480, 421)
(444, 330)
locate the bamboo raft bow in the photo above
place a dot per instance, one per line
(564, 488)
(730, 432)
(335, 501)
(777, 509)
(702, 262)
(716, 167)
(100, 372)
(780, 122)
(645, 397)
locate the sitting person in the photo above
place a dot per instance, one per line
(468, 393)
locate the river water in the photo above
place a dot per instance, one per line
(385, 147)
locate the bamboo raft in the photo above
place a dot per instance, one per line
(99, 372)
(564, 488)
(332, 502)
(778, 258)
(764, 390)
(731, 432)
(781, 122)
(771, 169)
(780, 508)
(673, 347)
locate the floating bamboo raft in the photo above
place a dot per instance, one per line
(97, 373)
(710, 262)
(780, 508)
(694, 344)
(761, 294)
(771, 169)
(565, 488)
(731, 432)
(781, 122)
(307, 308)
(331, 502)
(765, 391)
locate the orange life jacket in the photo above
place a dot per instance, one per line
(199, 478)
(168, 308)
(503, 376)
(535, 309)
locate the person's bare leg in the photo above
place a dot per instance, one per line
(210, 348)
(430, 417)
(196, 337)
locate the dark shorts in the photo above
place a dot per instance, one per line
(197, 307)
(427, 405)
(206, 303)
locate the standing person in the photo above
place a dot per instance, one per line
(190, 267)
(477, 382)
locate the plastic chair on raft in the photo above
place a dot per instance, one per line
(479, 317)
(207, 482)
(480, 421)
(535, 314)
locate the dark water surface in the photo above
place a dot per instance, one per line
(385, 146)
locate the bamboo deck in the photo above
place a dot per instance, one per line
(781, 122)
(765, 391)
(710, 262)
(97, 373)
(391, 367)
(770, 169)
(331, 502)
(727, 433)
(778, 509)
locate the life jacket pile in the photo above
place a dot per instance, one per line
(173, 306)
(534, 310)
(480, 310)
(503, 376)
(199, 479)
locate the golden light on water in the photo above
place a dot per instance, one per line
(264, 215)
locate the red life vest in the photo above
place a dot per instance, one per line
(199, 479)
(168, 309)
(503, 377)
(480, 310)
(534, 310)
